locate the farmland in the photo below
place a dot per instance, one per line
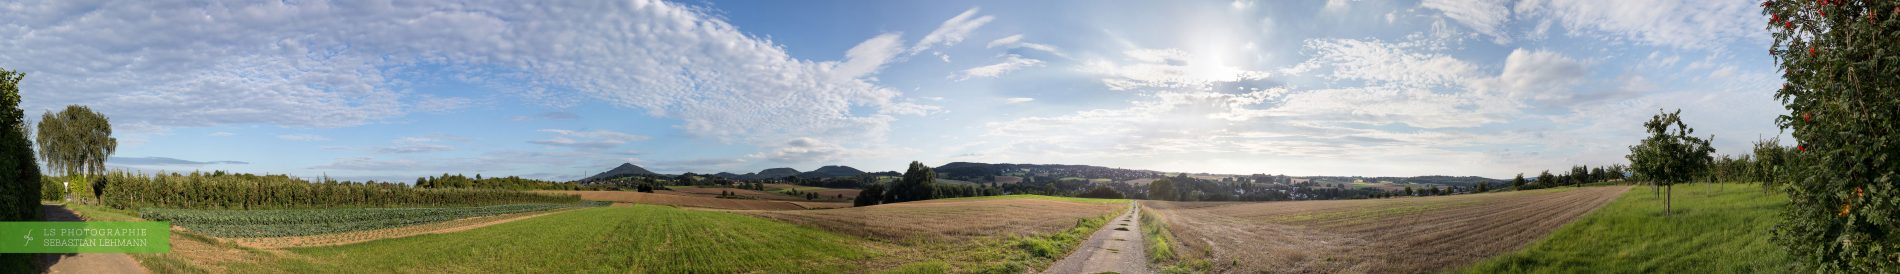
(985, 234)
(1716, 228)
(638, 238)
(1404, 235)
(299, 222)
(977, 234)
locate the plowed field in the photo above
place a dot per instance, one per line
(1403, 235)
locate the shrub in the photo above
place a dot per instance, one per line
(1839, 63)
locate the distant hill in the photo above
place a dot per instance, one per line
(831, 171)
(772, 173)
(727, 175)
(624, 170)
(1459, 181)
(980, 172)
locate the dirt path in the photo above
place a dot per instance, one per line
(1117, 247)
(83, 262)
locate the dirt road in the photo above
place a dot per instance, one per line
(83, 262)
(1117, 248)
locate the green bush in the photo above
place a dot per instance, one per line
(1839, 63)
(19, 173)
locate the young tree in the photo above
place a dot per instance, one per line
(919, 183)
(1518, 183)
(1670, 155)
(76, 141)
(1579, 175)
(872, 194)
(1546, 179)
(1838, 61)
(19, 173)
(1161, 189)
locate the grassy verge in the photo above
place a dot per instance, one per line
(1715, 228)
(1161, 253)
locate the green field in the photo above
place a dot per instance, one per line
(636, 239)
(1716, 228)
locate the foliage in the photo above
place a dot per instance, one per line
(510, 182)
(299, 222)
(1162, 189)
(1715, 232)
(246, 191)
(50, 189)
(870, 196)
(1101, 193)
(77, 141)
(20, 182)
(1670, 155)
(916, 185)
(1839, 61)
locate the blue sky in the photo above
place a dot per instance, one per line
(562, 90)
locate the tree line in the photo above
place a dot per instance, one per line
(918, 183)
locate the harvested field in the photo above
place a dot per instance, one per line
(1404, 235)
(994, 234)
(697, 201)
(949, 219)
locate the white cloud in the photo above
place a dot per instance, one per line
(1540, 75)
(221, 134)
(1387, 63)
(441, 104)
(1016, 42)
(952, 31)
(1018, 100)
(1691, 24)
(415, 145)
(1335, 6)
(804, 150)
(551, 115)
(588, 140)
(1485, 16)
(303, 137)
(869, 56)
(1010, 63)
(1167, 69)
(316, 64)
(1005, 41)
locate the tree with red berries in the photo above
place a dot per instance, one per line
(1841, 62)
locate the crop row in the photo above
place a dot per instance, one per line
(300, 222)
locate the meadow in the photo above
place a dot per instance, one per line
(1715, 228)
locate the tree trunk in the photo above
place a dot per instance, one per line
(1666, 198)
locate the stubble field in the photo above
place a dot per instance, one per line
(1403, 235)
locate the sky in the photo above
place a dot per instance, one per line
(393, 90)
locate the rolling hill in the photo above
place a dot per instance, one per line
(624, 170)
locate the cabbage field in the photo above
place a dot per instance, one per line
(299, 222)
